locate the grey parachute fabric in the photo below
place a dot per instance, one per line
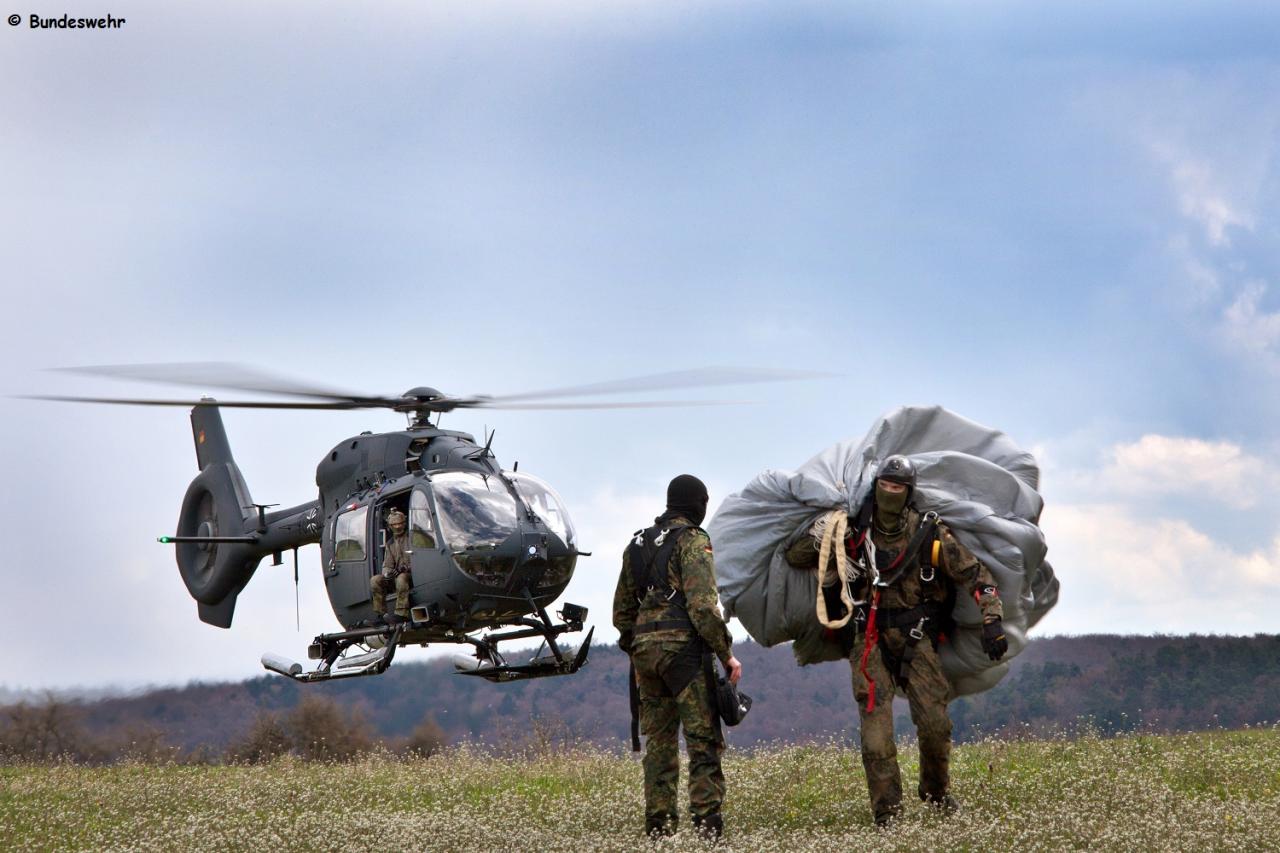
(981, 484)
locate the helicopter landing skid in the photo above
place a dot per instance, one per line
(489, 664)
(336, 659)
(344, 655)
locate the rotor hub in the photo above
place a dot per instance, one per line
(422, 394)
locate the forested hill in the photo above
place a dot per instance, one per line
(1116, 682)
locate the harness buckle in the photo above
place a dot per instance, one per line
(917, 633)
(932, 573)
(661, 536)
(673, 593)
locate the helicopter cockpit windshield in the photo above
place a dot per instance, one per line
(546, 504)
(475, 511)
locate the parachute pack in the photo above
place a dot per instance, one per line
(979, 482)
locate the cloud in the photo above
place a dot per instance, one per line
(1125, 573)
(1115, 554)
(1211, 139)
(1173, 465)
(1259, 568)
(1154, 540)
(1202, 194)
(1248, 327)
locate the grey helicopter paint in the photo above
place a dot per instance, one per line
(490, 550)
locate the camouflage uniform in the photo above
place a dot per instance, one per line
(692, 571)
(927, 689)
(395, 572)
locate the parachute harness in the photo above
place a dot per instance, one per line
(834, 527)
(830, 530)
(872, 638)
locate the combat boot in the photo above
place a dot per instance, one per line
(661, 825)
(945, 804)
(710, 828)
(888, 818)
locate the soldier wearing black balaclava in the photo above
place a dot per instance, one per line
(907, 569)
(667, 612)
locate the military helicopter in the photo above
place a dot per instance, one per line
(490, 549)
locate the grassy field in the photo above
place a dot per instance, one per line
(1209, 791)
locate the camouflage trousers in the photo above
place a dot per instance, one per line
(928, 693)
(379, 586)
(661, 716)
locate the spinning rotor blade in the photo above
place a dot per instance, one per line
(243, 378)
(229, 404)
(635, 404)
(222, 374)
(700, 378)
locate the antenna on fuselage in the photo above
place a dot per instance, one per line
(297, 607)
(484, 452)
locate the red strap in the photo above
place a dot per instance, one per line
(851, 548)
(872, 638)
(873, 633)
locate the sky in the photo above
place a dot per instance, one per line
(1058, 219)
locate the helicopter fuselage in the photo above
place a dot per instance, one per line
(486, 546)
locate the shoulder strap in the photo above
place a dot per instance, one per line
(639, 555)
(650, 559)
(928, 526)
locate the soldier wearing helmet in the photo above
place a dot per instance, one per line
(906, 568)
(395, 572)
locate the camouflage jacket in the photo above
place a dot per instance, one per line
(957, 566)
(396, 557)
(693, 571)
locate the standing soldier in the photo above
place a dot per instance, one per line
(667, 613)
(395, 572)
(907, 568)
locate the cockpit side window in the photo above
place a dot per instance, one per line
(543, 501)
(350, 535)
(422, 532)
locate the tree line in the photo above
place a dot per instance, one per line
(317, 728)
(1108, 683)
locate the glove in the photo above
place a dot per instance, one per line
(994, 642)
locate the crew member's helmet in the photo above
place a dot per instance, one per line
(396, 518)
(898, 469)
